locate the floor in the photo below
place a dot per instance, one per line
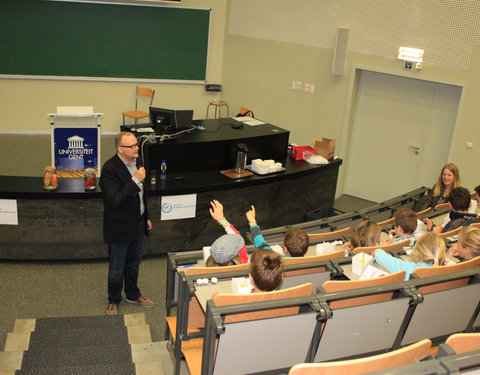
(78, 288)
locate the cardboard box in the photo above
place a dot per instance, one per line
(360, 262)
(325, 147)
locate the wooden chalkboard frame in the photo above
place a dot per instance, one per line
(100, 41)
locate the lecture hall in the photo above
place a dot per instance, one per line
(268, 116)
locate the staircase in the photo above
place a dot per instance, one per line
(117, 345)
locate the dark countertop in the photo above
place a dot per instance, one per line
(18, 187)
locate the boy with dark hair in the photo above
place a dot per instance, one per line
(266, 270)
(405, 225)
(459, 216)
(295, 241)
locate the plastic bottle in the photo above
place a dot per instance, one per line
(163, 170)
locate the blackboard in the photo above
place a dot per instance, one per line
(74, 39)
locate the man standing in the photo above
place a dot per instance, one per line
(125, 221)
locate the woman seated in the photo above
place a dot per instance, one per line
(449, 178)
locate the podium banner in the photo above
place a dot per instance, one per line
(75, 149)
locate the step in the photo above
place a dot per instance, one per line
(110, 369)
(89, 322)
(94, 355)
(10, 361)
(71, 338)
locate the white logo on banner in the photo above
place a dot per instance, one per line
(178, 206)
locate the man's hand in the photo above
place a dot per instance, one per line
(140, 174)
(216, 211)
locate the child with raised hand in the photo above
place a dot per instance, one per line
(230, 248)
(295, 241)
(266, 271)
(429, 250)
(468, 246)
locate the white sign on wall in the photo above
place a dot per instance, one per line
(8, 212)
(178, 206)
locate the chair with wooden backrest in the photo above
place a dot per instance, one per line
(245, 112)
(136, 114)
(316, 275)
(387, 222)
(424, 272)
(371, 249)
(396, 358)
(440, 299)
(442, 206)
(337, 286)
(193, 355)
(449, 233)
(424, 212)
(321, 236)
(464, 342)
(196, 315)
(352, 329)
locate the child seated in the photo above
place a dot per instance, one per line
(367, 233)
(266, 271)
(295, 241)
(468, 246)
(429, 250)
(405, 225)
(459, 216)
(229, 249)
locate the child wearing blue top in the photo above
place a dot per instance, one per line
(428, 251)
(295, 241)
(405, 225)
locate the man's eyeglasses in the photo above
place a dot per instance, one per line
(131, 146)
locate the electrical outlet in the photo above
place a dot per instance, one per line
(296, 85)
(470, 145)
(309, 87)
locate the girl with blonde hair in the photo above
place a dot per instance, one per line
(468, 246)
(449, 178)
(429, 250)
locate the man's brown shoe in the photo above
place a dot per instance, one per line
(142, 301)
(112, 309)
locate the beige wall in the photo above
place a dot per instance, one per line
(258, 73)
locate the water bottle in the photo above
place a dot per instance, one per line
(163, 170)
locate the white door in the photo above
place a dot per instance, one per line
(401, 136)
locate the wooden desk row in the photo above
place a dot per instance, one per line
(317, 333)
(193, 303)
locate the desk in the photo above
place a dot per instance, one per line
(214, 147)
(47, 220)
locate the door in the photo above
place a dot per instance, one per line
(401, 136)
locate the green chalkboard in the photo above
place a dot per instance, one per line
(74, 39)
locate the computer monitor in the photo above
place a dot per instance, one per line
(162, 119)
(183, 119)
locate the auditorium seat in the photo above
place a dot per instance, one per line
(400, 357)
(371, 249)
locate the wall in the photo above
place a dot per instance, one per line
(261, 62)
(24, 103)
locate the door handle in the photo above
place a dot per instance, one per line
(416, 148)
